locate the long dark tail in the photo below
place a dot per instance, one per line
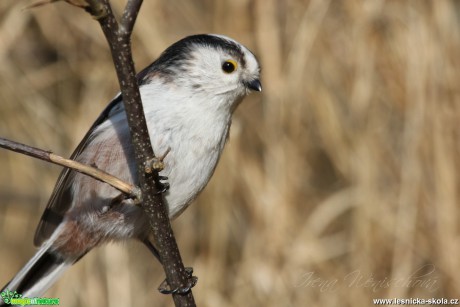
(38, 275)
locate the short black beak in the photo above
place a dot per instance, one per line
(254, 85)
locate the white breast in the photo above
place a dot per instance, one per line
(196, 135)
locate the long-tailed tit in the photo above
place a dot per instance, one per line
(189, 94)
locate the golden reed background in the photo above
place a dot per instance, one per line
(340, 181)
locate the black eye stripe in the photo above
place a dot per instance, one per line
(177, 55)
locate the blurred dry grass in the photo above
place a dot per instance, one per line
(347, 166)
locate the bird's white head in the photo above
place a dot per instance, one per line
(207, 65)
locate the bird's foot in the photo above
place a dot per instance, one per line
(162, 186)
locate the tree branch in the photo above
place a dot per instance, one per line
(130, 15)
(119, 39)
(129, 189)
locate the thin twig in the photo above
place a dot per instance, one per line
(129, 16)
(128, 189)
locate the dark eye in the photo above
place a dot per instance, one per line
(229, 66)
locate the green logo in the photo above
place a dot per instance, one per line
(14, 298)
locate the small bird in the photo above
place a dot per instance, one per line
(189, 95)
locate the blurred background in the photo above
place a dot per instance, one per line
(340, 182)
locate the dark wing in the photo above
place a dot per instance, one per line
(61, 198)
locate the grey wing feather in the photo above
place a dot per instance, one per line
(61, 198)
